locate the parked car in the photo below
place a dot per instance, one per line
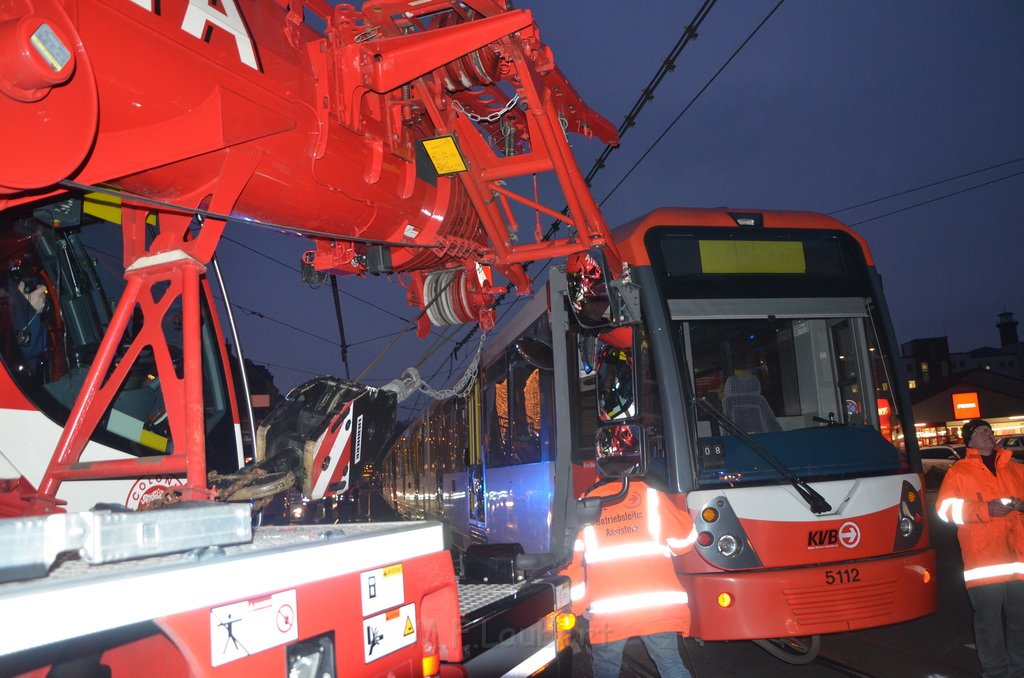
(938, 458)
(1013, 443)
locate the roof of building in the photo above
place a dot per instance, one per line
(973, 379)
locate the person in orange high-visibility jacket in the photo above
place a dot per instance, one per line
(624, 581)
(981, 494)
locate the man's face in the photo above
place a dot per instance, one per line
(982, 438)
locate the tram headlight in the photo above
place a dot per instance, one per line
(906, 526)
(909, 518)
(728, 545)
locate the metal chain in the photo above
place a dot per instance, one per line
(493, 117)
(464, 384)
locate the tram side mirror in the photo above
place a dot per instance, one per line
(616, 378)
(620, 451)
(536, 352)
(587, 278)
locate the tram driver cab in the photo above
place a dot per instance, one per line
(743, 403)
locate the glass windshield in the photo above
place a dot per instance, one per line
(62, 275)
(809, 386)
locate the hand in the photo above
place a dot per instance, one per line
(36, 298)
(997, 508)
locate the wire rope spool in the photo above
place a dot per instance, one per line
(479, 68)
(455, 296)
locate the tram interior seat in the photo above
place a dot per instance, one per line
(743, 403)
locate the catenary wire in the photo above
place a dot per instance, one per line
(941, 197)
(921, 188)
(692, 102)
(668, 65)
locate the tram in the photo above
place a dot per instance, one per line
(745, 362)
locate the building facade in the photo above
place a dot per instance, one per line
(948, 389)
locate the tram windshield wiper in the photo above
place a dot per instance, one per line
(815, 501)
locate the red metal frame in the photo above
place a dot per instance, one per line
(158, 272)
(270, 120)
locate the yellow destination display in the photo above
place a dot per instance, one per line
(729, 256)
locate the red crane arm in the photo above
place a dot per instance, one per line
(305, 116)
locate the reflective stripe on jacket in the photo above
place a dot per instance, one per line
(622, 569)
(992, 548)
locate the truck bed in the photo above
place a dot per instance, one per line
(76, 598)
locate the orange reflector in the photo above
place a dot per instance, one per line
(724, 599)
(431, 666)
(565, 621)
(431, 660)
(926, 576)
(911, 495)
(709, 515)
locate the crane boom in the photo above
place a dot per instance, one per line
(398, 137)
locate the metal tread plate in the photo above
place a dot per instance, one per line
(475, 596)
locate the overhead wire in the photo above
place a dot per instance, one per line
(692, 101)
(937, 199)
(264, 316)
(293, 268)
(930, 185)
(668, 65)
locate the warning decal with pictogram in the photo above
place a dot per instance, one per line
(389, 631)
(382, 588)
(241, 629)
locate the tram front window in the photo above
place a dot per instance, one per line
(806, 389)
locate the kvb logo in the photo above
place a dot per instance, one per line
(847, 535)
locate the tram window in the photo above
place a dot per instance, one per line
(808, 397)
(456, 440)
(496, 415)
(530, 414)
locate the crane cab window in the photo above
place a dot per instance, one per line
(47, 351)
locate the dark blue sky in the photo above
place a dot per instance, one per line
(831, 104)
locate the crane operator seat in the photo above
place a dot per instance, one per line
(743, 403)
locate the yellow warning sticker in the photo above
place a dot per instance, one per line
(445, 155)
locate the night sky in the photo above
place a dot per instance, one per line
(828, 106)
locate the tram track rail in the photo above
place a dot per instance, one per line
(642, 666)
(845, 669)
